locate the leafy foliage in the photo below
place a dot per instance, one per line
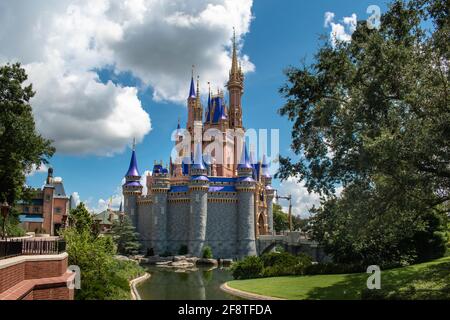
(281, 220)
(248, 268)
(102, 276)
(272, 264)
(21, 147)
(207, 252)
(125, 237)
(373, 115)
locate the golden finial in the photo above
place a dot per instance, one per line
(134, 144)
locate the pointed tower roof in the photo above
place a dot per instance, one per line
(192, 88)
(234, 61)
(245, 161)
(265, 167)
(133, 168)
(198, 161)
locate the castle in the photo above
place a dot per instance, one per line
(199, 202)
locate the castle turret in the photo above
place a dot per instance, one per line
(191, 102)
(236, 89)
(198, 190)
(245, 187)
(132, 189)
(266, 179)
(160, 189)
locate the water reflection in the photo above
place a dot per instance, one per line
(170, 284)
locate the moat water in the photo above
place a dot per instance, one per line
(171, 284)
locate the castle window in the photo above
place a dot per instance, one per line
(36, 209)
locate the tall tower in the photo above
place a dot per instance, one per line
(245, 187)
(132, 189)
(191, 102)
(236, 89)
(159, 191)
(198, 190)
(266, 179)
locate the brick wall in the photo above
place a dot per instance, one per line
(15, 272)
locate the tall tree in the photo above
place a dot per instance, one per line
(21, 147)
(125, 236)
(373, 115)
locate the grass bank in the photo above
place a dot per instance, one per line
(421, 281)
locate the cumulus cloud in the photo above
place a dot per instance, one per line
(75, 201)
(340, 31)
(302, 200)
(41, 169)
(63, 42)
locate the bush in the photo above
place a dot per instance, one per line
(183, 250)
(207, 253)
(284, 264)
(271, 265)
(248, 268)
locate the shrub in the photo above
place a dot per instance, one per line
(207, 253)
(183, 250)
(248, 268)
(283, 264)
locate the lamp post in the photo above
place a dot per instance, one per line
(5, 212)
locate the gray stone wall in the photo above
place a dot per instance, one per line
(178, 225)
(159, 222)
(221, 230)
(246, 224)
(198, 221)
(145, 226)
(130, 209)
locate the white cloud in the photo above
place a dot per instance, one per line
(75, 200)
(302, 200)
(329, 17)
(62, 43)
(42, 169)
(340, 31)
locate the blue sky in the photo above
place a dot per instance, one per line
(281, 33)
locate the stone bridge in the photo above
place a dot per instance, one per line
(292, 242)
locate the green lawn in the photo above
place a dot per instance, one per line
(427, 278)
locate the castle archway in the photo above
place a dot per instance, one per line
(261, 224)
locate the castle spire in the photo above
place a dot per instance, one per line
(192, 88)
(234, 63)
(133, 168)
(198, 89)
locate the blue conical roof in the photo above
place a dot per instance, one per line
(192, 89)
(245, 162)
(133, 169)
(198, 161)
(265, 167)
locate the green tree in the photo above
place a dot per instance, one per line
(373, 115)
(125, 236)
(102, 276)
(21, 147)
(80, 218)
(280, 219)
